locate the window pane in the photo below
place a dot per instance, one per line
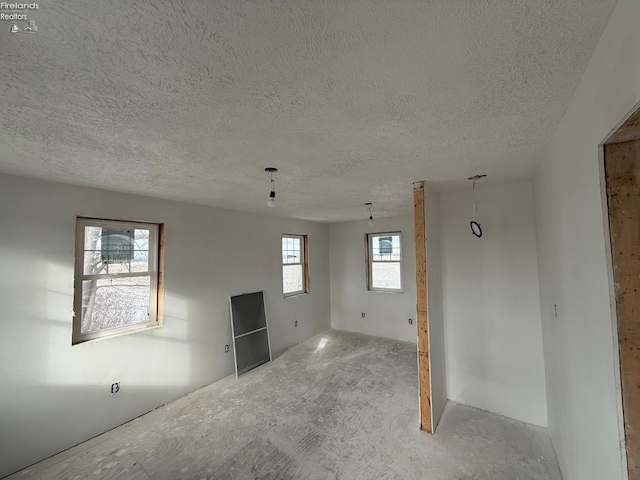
(92, 238)
(292, 278)
(386, 248)
(386, 275)
(109, 303)
(395, 241)
(93, 263)
(291, 250)
(291, 257)
(115, 251)
(138, 264)
(117, 245)
(141, 239)
(375, 244)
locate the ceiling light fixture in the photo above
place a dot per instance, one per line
(272, 194)
(369, 205)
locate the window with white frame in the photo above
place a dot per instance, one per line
(384, 262)
(295, 266)
(118, 279)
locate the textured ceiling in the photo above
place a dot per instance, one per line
(351, 100)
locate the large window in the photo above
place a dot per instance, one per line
(118, 280)
(384, 258)
(295, 266)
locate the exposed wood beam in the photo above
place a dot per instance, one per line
(424, 367)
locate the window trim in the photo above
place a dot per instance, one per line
(304, 250)
(368, 244)
(156, 279)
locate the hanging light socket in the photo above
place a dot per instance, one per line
(272, 194)
(369, 205)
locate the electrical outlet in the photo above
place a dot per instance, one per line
(226, 349)
(411, 321)
(555, 310)
(362, 314)
(295, 324)
(115, 388)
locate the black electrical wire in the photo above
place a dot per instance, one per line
(476, 229)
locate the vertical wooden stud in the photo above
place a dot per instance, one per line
(424, 366)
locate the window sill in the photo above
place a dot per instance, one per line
(104, 336)
(293, 295)
(386, 291)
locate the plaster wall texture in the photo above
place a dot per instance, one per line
(493, 338)
(387, 314)
(580, 342)
(54, 395)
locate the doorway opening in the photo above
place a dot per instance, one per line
(622, 182)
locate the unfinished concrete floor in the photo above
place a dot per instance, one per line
(338, 406)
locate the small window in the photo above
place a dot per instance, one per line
(384, 258)
(295, 266)
(118, 280)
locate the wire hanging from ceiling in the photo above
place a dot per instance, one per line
(476, 228)
(272, 194)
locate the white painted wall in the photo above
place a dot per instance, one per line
(387, 314)
(580, 344)
(434, 304)
(491, 303)
(53, 395)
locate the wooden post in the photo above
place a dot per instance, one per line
(424, 366)
(622, 172)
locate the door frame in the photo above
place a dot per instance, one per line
(612, 295)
